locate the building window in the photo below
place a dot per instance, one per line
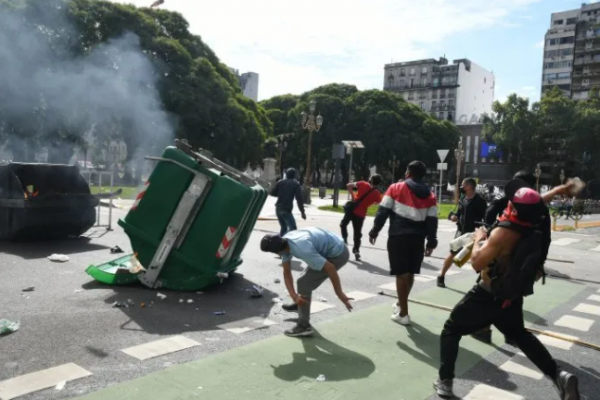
(450, 117)
(402, 73)
(441, 115)
(424, 70)
(412, 71)
(571, 21)
(436, 82)
(411, 83)
(552, 42)
(422, 105)
(433, 105)
(402, 83)
(424, 82)
(558, 22)
(468, 150)
(567, 40)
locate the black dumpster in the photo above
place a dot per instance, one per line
(44, 201)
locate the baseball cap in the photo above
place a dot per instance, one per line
(271, 243)
(527, 205)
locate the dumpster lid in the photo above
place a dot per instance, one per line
(122, 271)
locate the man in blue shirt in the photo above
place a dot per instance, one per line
(324, 253)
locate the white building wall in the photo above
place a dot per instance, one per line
(475, 93)
(249, 84)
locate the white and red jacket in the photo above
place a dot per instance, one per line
(412, 210)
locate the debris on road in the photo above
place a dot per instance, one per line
(277, 280)
(321, 378)
(61, 385)
(130, 302)
(29, 289)
(381, 291)
(142, 305)
(78, 291)
(219, 313)
(7, 326)
(116, 250)
(181, 300)
(118, 304)
(322, 299)
(190, 301)
(222, 276)
(161, 296)
(276, 300)
(256, 292)
(58, 258)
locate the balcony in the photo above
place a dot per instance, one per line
(579, 87)
(564, 81)
(587, 35)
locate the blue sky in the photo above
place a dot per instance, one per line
(298, 45)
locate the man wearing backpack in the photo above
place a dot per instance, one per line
(286, 190)
(508, 259)
(355, 211)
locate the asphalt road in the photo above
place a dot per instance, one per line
(69, 318)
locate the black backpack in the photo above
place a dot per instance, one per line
(519, 278)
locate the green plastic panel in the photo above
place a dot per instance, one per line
(107, 272)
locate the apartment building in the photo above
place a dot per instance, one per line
(460, 92)
(248, 83)
(572, 51)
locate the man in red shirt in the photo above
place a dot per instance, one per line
(366, 195)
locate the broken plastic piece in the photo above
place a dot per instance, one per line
(277, 280)
(116, 250)
(323, 299)
(222, 275)
(58, 258)
(7, 326)
(256, 291)
(61, 385)
(277, 300)
(321, 378)
(29, 289)
(118, 304)
(219, 313)
(161, 296)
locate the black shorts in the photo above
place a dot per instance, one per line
(406, 254)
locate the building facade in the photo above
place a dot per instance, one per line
(460, 92)
(248, 83)
(572, 52)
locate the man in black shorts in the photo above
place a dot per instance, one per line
(412, 209)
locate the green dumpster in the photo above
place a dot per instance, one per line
(190, 223)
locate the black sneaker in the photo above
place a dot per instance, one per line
(291, 307)
(568, 386)
(440, 282)
(299, 331)
(484, 336)
(357, 256)
(443, 388)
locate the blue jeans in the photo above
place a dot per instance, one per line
(286, 221)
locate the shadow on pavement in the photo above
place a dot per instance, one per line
(183, 312)
(42, 249)
(429, 344)
(323, 357)
(370, 268)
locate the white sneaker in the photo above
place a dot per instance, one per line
(401, 320)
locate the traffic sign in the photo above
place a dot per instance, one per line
(443, 154)
(442, 166)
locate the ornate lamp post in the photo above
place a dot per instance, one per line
(311, 124)
(393, 165)
(538, 174)
(459, 155)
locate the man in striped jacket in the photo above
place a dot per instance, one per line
(412, 209)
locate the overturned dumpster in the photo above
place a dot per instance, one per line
(189, 225)
(44, 201)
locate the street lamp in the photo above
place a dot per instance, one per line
(459, 154)
(282, 144)
(393, 165)
(562, 176)
(538, 174)
(311, 124)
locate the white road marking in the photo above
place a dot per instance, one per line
(47, 378)
(358, 296)
(597, 248)
(160, 347)
(424, 278)
(571, 322)
(588, 309)
(389, 286)
(453, 271)
(565, 241)
(594, 297)
(558, 343)
(485, 392)
(516, 368)
(246, 325)
(318, 306)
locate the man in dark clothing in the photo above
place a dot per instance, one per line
(471, 209)
(286, 190)
(412, 209)
(498, 297)
(498, 205)
(366, 195)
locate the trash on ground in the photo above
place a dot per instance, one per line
(78, 290)
(190, 301)
(142, 305)
(29, 289)
(222, 276)
(116, 250)
(323, 299)
(256, 291)
(277, 280)
(7, 326)
(61, 385)
(219, 313)
(276, 300)
(161, 296)
(58, 258)
(118, 304)
(321, 378)
(181, 300)
(381, 291)
(130, 302)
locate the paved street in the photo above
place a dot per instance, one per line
(69, 319)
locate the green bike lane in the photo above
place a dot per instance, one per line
(362, 354)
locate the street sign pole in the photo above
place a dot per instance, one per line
(338, 155)
(442, 154)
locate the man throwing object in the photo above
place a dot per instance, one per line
(324, 253)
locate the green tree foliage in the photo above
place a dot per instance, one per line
(385, 123)
(187, 92)
(556, 132)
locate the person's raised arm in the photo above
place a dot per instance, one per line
(485, 251)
